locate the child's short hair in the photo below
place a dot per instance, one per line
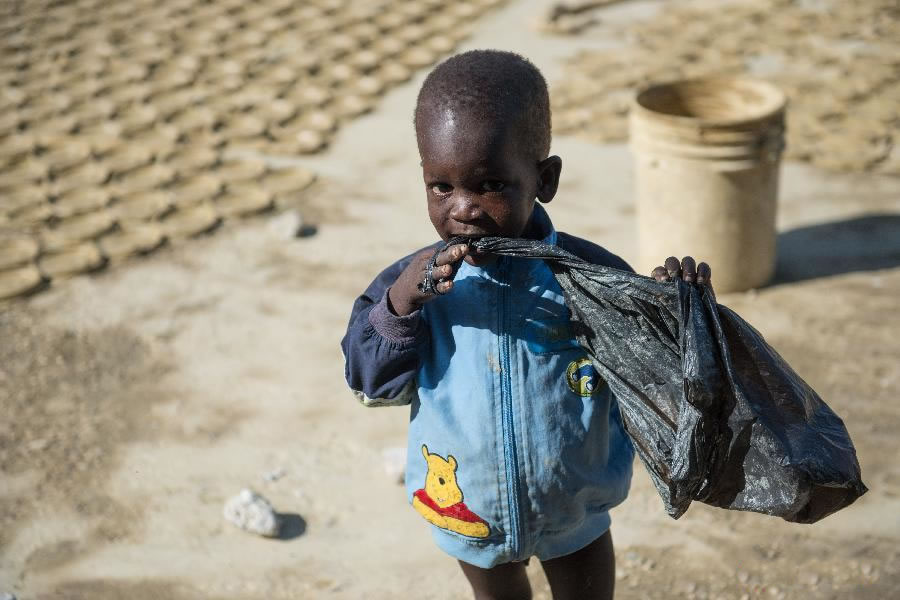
(493, 85)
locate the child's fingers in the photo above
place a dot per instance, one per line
(660, 274)
(704, 273)
(453, 254)
(689, 269)
(442, 272)
(673, 267)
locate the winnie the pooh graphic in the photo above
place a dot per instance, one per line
(440, 501)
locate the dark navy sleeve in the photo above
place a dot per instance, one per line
(381, 349)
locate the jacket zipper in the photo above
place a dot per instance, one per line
(506, 410)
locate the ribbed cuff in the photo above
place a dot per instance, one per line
(392, 327)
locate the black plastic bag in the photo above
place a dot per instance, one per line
(715, 414)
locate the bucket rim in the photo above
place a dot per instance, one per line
(776, 106)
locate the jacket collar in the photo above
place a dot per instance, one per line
(540, 227)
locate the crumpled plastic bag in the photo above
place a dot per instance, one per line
(715, 414)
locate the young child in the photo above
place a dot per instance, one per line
(516, 445)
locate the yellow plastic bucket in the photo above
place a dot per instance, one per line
(707, 154)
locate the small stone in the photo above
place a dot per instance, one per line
(812, 579)
(394, 462)
(274, 474)
(287, 225)
(866, 569)
(38, 444)
(252, 513)
(743, 576)
(774, 591)
(7, 596)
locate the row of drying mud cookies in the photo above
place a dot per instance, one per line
(233, 106)
(838, 66)
(294, 87)
(235, 44)
(265, 115)
(96, 225)
(114, 122)
(37, 197)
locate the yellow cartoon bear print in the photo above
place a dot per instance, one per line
(440, 501)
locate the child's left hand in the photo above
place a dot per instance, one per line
(687, 269)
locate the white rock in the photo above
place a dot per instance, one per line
(394, 461)
(287, 225)
(253, 513)
(7, 596)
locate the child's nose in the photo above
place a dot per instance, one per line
(465, 208)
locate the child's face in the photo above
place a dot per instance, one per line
(479, 178)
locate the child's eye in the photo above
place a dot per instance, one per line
(441, 188)
(492, 185)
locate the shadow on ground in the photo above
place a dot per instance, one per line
(292, 526)
(859, 244)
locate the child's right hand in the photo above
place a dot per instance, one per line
(405, 296)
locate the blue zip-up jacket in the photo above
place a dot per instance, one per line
(516, 445)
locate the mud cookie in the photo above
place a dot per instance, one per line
(130, 241)
(18, 281)
(28, 170)
(66, 152)
(351, 105)
(242, 199)
(417, 57)
(243, 126)
(126, 157)
(16, 249)
(81, 200)
(142, 206)
(277, 111)
(239, 170)
(161, 140)
(16, 145)
(311, 95)
(71, 260)
(195, 118)
(93, 110)
(190, 159)
(53, 127)
(388, 46)
(30, 218)
(197, 189)
(76, 229)
(188, 222)
(392, 72)
(20, 197)
(288, 181)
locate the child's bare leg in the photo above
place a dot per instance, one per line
(503, 582)
(587, 574)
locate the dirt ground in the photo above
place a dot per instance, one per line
(136, 401)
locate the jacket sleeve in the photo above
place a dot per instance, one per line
(381, 350)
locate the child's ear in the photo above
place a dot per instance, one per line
(549, 170)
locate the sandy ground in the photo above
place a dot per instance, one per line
(137, 401)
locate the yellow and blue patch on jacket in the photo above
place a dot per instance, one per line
(582, 377)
